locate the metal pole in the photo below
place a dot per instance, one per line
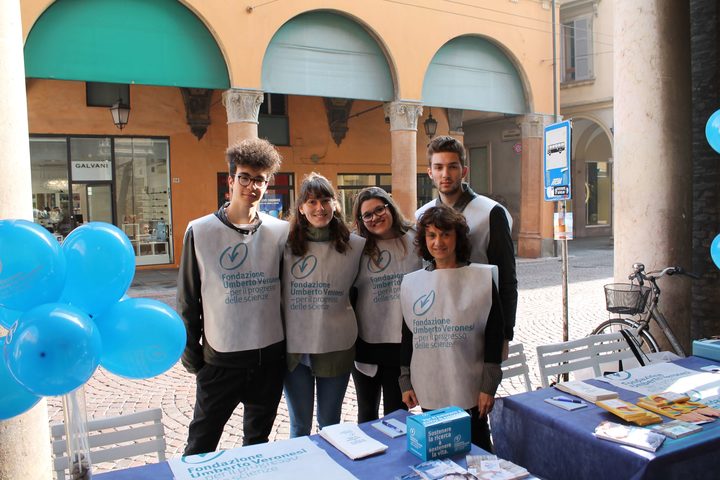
(564, 244)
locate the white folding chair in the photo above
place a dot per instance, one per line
(566, 357)
(114, 438)
(516, 365)
(611, 350)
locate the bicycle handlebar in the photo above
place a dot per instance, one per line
(640, 275)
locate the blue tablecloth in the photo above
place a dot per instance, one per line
(556, 444)
(395, 461)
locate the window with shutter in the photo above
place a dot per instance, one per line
(576, 49)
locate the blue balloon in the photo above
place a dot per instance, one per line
(32, 265)
(8, 317)
(715, 250)
(54, 349)
(141, 338)
(14, 398)
(712, 131)
(101, 266)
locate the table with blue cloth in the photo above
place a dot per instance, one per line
(556, 444)
(395, 461)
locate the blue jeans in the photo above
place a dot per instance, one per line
(300, 393)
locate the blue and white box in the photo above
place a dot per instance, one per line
(438, 434)
(707, 348)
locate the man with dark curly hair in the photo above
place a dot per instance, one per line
(229, 298)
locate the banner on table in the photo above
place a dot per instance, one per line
(284, 460)
(668, 377)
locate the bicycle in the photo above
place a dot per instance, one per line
(640, 301)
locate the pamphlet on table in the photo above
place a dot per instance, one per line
(286, 460)
(350, 440)
(627, 435)
(677, 429)
(588, 392)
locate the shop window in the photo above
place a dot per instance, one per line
(100, 94)
(50, 186)
(480, 171)
(278, 201)
(142, 181)
(598, 193)
(576, 47)
(124, 181)
(426, 191)
(349, 184)
(273, 124)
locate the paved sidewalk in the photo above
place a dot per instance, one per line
(539, 321)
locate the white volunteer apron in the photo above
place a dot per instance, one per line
(316, 302)
(378, 304)
(448, 324)
(240, 283)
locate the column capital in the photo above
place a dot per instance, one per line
(533, 124)
(242, 105)
(403, 115)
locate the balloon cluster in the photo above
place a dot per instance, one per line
(66, 311)
(712, 134)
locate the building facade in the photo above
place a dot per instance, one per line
(343, 88)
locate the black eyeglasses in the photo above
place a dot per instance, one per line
(377, 211)
(245, 180)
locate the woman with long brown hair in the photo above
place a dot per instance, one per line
(389, 254)
(320, 265)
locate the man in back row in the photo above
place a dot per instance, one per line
(490, 223)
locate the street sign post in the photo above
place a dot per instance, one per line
(557, 156)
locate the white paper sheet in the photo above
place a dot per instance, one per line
(284, 460)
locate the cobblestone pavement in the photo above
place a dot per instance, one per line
(539, 321)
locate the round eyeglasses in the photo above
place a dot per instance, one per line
(245, 180)
(378, 211)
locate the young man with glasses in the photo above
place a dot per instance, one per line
(229, 298)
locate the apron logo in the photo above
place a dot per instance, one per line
(201, 458)
(423, 303)
(304, 267)
(619, 375)
(383, 261)
(232, 257)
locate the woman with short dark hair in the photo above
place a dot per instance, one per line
(452, 336)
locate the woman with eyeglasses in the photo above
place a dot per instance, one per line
(320, 265)
(389, 254)
(452, 335)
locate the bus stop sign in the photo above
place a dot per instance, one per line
(557, 145)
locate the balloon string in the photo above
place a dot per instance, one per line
(76, 435)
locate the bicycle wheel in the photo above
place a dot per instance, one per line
(646, 341)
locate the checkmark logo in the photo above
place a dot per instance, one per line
(423, 303)
(232, 257)
(383, 261)
(619, 375)
(304, 267)
(201, 458)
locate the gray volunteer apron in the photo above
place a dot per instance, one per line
(448, 325)
(316, 302)
(378, 304)
(241, 274)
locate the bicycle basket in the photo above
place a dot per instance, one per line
(626, 298)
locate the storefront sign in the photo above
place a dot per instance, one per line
(90, 170)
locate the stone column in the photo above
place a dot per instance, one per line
(535, 238)
(243, 108)
(403, 138)
(653, 166)
(25, 439)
